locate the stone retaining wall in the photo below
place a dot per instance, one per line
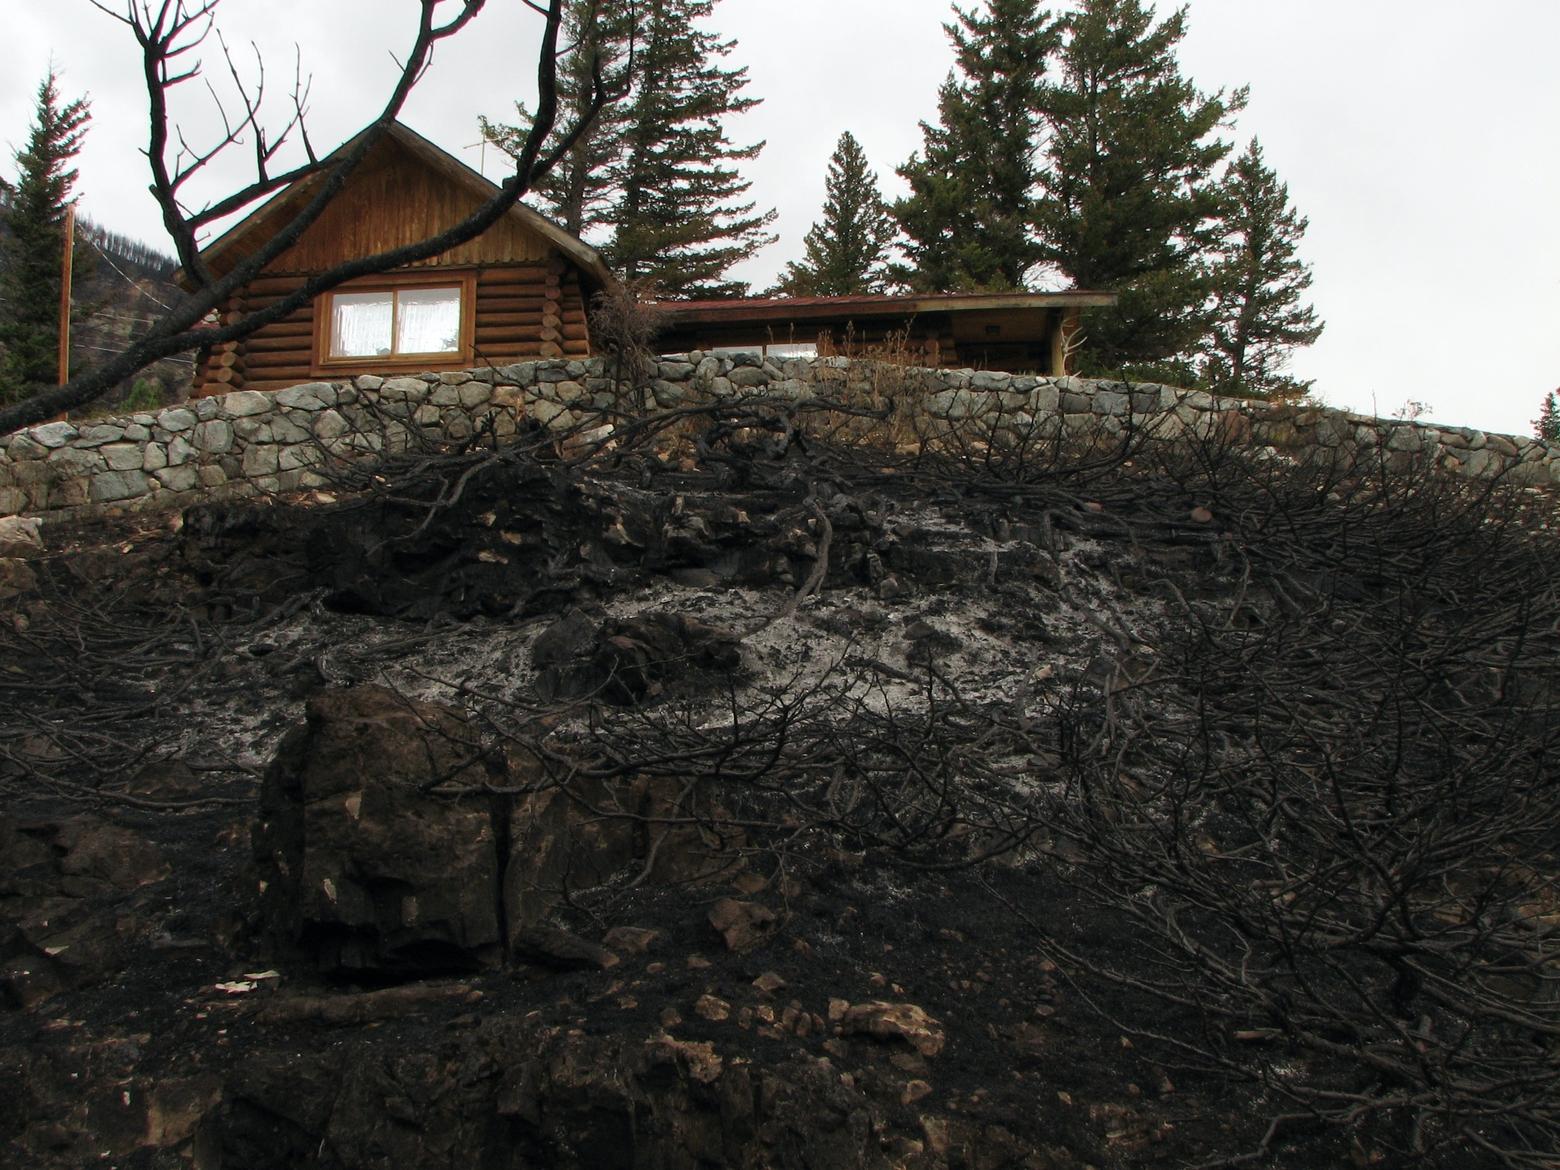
(249, 442)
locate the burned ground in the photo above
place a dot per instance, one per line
(777, 801)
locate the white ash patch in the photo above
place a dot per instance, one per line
(1018, 643)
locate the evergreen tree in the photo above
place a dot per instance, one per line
(678, 223)
(972, 185)
(1547, 425)
(847, 249)
(1258, 284)
(1129, 200)
(579, 191)
(30, 260)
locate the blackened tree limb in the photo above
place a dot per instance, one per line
(174, 29)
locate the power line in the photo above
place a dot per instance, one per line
(116, 349)
(127, 278)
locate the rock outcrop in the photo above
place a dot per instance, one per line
(366, 861)
(393, 843)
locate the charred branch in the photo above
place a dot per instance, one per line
(171, 30)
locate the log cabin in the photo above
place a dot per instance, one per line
(519, 291)
(1017, 332)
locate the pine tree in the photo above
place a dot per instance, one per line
(847, 249)
(972, 185)
(1258, 282)
(677, 220)
(579, 191)
(30, 260)
(1129, 200)
(1547, 425)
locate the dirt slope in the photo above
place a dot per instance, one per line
(789, 805)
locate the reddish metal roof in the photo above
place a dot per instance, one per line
(880, 303)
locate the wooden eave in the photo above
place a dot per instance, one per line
(223, 252)
(822, 309)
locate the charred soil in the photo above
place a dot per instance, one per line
(786, 802)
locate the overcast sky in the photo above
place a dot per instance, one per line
(1419, 137)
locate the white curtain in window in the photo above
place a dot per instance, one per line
(428, 321)
(360, 324)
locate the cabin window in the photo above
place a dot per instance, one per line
(401, 322)
(771, 349)
(792, 349)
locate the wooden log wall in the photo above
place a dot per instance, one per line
(528, 311)
(575, 311)
(523, 311)
(218, 366)
(942, 349)
(281, 354)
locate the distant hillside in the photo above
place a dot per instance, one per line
(120, 285)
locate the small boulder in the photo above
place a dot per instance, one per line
(20, 534)
(65, 918)
(742, 924)
(712, 1008)
(894, 1021)
(371, 857)
(548, 946)
(633, 940)
(16, 577)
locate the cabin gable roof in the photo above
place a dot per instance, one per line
(404, 190)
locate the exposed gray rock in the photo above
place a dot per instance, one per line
(309, 396)
(287, 429)
(24, 446)
(54, 434)
(214, 437)
(176, 419)
(260, 459)
(75, 461)
(747, 377)
(122, 456)
(243, 403)
(1110, 402)
(367, 865)
(100, 433)
(118, 485)
(245, 432)
(303, 455)
(255, 429)
(330, 425)
(404, 390)
(178, 479)
(20, 534)
(1501, 445)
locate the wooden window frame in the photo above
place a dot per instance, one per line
(441, 278)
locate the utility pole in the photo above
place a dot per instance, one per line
(70, 246)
